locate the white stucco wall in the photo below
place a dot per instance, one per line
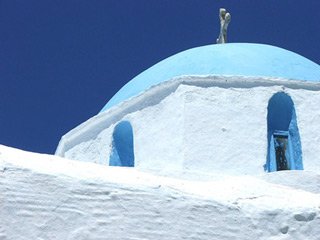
(48, 197)
(208, 126)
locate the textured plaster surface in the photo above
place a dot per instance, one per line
(48, 197)
(205, 124)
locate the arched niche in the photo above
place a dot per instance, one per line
(122, 153)
(284, 146)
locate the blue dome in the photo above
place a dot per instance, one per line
(244, 59)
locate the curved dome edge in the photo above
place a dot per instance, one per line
(243, 59)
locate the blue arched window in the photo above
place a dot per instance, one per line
(284, 146)
(122, 146)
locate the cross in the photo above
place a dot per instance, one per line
(225, 19)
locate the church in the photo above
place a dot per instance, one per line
(215, 142)
(240, 108)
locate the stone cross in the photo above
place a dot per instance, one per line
(225, 19)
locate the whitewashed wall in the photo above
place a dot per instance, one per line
(48, 197)
(213, 124)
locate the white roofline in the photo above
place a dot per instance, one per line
(93, 126)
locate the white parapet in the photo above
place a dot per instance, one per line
(48, 197)
(201, 123)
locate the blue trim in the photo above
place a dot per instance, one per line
(282, 121)
(292, 163)
(122, 153)
(272, 166)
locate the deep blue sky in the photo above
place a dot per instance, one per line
(62, 60)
